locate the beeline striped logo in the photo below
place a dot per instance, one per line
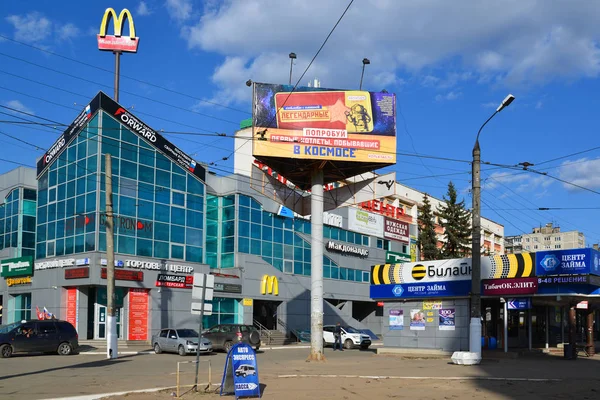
(418, 272)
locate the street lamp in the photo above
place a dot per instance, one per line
(365, 61)
(475, 325)
(292, 58)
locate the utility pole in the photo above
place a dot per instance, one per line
(111, 319)
(316, 272)
(117, 74)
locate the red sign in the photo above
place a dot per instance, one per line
(380, 207)
(124, 275)
(396, 230)
(72, 306)
(118, 43)
(380, 304)
(77, 273)
(582, 305)
(175, 281)
(138, 314)
(516, 286)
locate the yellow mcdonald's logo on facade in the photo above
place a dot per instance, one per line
(269, 285)
(117, 42)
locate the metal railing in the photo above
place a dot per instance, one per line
(206, 388)
(263, 331)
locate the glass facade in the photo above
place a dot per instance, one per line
(158, 205)
(225, 311)
(220, 231)
(276, 240)
(20, 308)
(17, 222)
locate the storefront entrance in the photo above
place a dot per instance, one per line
(265, 313)
(100, 327)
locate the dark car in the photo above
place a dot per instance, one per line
(224, 336)
(46, 336)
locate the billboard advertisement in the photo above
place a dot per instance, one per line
(364, 222)
(568, 262)
(456, 269)
(420, 290)
(316, 124)
(396, 230)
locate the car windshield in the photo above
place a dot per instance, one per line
(187, 333)
(9, 327)
(350, 329)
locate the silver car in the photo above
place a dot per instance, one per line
(181, 341)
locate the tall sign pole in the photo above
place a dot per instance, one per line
(111, 318)
(316, 271)
(117, 43)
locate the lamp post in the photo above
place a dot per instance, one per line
(292, 58)
(365, 61)
(475, 325)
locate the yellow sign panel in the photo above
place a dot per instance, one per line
(269, 285)
(432, 305)
(18, 281)
(117, 42)
(247, 302)
(429, 319)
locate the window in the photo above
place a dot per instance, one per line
(557, 246)
(178, 199)
(288, 266)
(557, 238)
(46, 328)
(164, 333)
(535, 247)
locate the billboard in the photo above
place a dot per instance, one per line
(364, 222)
(296, 130)
(117, 42)
(568, 262)
(456, 269)
(396, 230)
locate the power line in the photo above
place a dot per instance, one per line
(124, 76)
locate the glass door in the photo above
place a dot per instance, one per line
(101, 322)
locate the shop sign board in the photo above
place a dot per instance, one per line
(392, 257)
(365, 222)
(568, 262)
(347, 249)
(125, 275)
(516, 286)
(519, 304)
(22, 266)
(138, 314)
(175, 281)
(421, 290)
(60, 263)
(582, 305)
(396, 230)
(21, 280)
(240, 376)
(77, 273)
(432, 305)
(228, 287)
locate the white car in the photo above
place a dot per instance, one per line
(245, 370)
(351, 337)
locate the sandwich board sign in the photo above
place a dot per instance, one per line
(241, 372)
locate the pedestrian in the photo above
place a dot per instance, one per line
(337, 335)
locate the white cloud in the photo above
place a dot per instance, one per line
(517, 181)
(143, 9)
(539, 105)
(31, 28)
(67, 32)
(17, 105)
(179, 10)
(489, 42)
(583, 172)
(448, 96)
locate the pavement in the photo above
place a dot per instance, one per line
(352, 374)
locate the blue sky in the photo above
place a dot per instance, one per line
(450, 64)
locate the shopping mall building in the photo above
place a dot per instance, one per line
(173, 219)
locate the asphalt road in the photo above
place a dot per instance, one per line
(49, 376)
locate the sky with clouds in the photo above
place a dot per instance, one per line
(449, 63)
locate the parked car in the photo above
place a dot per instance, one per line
(351, 337)
(224, 336)
(181, 341)
(245, 370)
(45, 336)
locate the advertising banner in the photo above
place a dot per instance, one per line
(421, 290)
(72, 306)
(396, 230)
(365, 222)
(568, 262)
(516, 286)
(417, 320)
(396, 320)
(138, 314)
(392, 257)
(413, 249)
(175, 281)
(447, 319)
(456, 269)
(432, 305)
(241, 372)
(22, 266)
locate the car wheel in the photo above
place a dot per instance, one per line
(181, 351)
(65, 349)
(157, 348)
(348, 344)
(6, 351)
(228, 346)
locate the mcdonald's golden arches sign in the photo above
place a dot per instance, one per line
(269, 285)
(117, 42)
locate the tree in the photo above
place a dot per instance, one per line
(456, 221)
(427, 241)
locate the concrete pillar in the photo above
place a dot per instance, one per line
(547, 326)
(590, 347)
(572, 329)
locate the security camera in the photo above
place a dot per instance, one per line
(249, 82)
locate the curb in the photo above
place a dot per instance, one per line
(442, 378)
